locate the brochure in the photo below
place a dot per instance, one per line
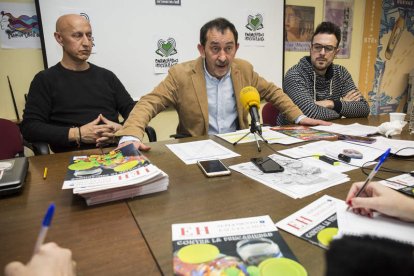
(121, 173)
(245, 246)
(305, 133)
(316, 223)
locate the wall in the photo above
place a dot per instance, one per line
(22, 65)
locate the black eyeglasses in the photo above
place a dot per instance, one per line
(319, 47)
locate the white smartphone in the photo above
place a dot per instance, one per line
(213, 168)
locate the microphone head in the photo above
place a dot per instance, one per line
(249, 96)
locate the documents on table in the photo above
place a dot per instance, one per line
(379, 225)
(191, 152)
(315, 223)
(273, 137)
(352, 129)
(399, 147)
(333, 149)
(299, 179)
(327, 218)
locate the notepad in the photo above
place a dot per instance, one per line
(12, 175)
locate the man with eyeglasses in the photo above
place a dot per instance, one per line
(321, 89)
(74, 104)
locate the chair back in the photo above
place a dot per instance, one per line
(269, 115)
(11, 141)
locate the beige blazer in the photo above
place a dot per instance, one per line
(184, 88)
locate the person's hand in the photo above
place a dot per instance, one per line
(51, 260)
(377, 197)
(352, 96)
(106, 131)
(326, 103)
(313, 122)
(137, 144)
(88, 131)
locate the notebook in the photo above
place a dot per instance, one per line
(12, 175)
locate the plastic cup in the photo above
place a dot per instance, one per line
(395, 116)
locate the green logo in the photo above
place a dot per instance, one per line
(166, 48)
(255, 23)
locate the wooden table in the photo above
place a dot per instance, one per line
(104, 240)
(191, 197)
(107, 240)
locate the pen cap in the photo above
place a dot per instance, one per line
(49, 215)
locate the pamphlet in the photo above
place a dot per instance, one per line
(121, 173)
(316, 223)
(305, 133)
(245, 246)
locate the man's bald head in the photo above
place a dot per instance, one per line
(68, 20)
(74, 34)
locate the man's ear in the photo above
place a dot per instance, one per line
(58, 38)
(336, 52)
(201, 50)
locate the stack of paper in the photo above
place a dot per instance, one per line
(120, 174)
(300, 178)
(352, 129)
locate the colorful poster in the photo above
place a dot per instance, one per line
(19, 26)
(299, 25)
(340, 13)
(385, 80)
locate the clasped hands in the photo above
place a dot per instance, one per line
(100, 131)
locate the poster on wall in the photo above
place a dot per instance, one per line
(254, 29)
(385, 79)
(299, 25)
(18, 26)
(165, 53)
(340, 12)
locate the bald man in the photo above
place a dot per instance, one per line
(75, 104)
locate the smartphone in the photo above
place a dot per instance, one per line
(213, 168)
(267, 165)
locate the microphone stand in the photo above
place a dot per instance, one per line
(254, 131)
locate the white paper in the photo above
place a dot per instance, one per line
(399, 147)
(399, 181)
(273, 137)
(191, 152)
(299, 179)
(352, 129)
(379, 225)
(333, 149)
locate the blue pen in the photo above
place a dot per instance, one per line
(373, 172)
(47, 220)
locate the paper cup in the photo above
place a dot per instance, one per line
(395, 116)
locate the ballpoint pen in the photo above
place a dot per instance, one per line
(45, 226)
(373, 172)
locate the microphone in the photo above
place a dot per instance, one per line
(250, 99)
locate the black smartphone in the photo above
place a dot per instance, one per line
(213, 168)
(267, 165)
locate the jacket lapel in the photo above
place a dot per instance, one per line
(237, 86)
(199, 84)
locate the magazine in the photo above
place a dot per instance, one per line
(121, 173)
(245, 246)
(316, 223)
(305, 133)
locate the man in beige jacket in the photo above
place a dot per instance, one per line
(205, 92)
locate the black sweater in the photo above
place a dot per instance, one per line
(59, 99)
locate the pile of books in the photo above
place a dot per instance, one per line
(119, 174)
